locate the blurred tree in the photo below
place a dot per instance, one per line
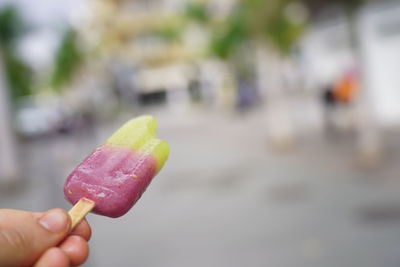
(69, 57)
(258, 21)
(18, 74)
(11, 26)
(15, 78)
(197, 11)
(270, 30)
(228, 36)
(173, 28)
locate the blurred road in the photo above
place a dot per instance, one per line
(227, 198)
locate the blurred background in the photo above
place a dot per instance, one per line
(283, 118)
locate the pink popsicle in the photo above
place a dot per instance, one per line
(117, 173)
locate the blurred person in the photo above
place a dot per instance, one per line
(338, 100)
(247, 96)
(41, 239)
(329, 104)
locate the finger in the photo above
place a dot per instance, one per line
(83, 229)
(9, 217)
(53, 257)
(24, 237)
(76, 248)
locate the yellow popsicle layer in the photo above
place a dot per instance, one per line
(139, 134)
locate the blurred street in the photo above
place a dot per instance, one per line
(227, 198)
(283, 119)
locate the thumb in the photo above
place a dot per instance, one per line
(25, 236)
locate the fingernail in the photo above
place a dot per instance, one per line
(55, 221)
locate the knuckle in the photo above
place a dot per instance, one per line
(15, 239)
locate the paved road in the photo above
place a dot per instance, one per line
(227, 198)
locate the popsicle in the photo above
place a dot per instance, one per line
(115, 175)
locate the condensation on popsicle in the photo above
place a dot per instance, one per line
(117, 173)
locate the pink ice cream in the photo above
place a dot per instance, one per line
(117, 173)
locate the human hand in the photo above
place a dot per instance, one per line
(41, 239)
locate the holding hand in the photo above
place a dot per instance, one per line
(41, 239)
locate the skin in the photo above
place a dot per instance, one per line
(26, 239)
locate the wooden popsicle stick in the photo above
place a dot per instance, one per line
(80, 210)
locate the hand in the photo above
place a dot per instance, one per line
(41, 239)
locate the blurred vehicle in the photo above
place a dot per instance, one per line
(42, 116)
(33, 118)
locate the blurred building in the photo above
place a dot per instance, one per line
(162, 52)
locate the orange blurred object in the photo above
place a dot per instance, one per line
(347, 88)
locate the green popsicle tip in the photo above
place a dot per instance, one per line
(139, 134)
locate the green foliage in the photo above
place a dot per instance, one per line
(11, 26)
(18, 75)
(255, 20)
(283, 33)
(68, 59)
(171, 31)
(229, 36)
(197, 11)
